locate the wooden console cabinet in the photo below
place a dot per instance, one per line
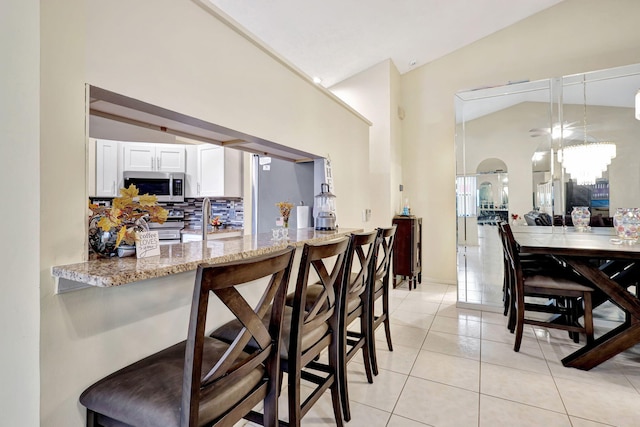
(407, 250)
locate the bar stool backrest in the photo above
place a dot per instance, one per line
(221, 280)
(331, 277)
(384, 252)
(363, 250)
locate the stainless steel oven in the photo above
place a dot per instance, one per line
(167, 186)
(171, 230)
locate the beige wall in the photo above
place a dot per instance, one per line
(175, 55)
(572, 37)
(19, 213)
(374, 93)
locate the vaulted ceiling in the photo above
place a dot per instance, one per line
(335, 39)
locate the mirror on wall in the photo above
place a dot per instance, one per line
(499, 130)
(600, 110)
(529, 152)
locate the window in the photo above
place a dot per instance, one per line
(466, 196)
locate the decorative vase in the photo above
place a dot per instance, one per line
(617, 220)
(104, 242)
(580, 216)
(626, 222)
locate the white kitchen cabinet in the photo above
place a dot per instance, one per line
(213, 171)
(141, 156)
(107, 176)
(232, 173)
(170, 158)
(210, 170)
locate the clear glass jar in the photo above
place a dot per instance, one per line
(580, 216)
(626, 222)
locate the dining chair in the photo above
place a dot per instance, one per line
(548, 284)
(311, 326)
(383, 254)
(531, 264)
(204, 381)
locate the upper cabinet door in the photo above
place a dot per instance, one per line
(232, 173)
(139, 157)
(107, 178)
(211, 170)
(170, 158)
(191, 185)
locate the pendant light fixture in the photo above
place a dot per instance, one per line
(586, 162)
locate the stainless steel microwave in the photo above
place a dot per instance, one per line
(167, 186)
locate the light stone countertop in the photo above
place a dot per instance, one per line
(181, 257)
(198, 231)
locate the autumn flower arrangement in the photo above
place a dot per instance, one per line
(216, 222)
(285, 211)
(126, 215)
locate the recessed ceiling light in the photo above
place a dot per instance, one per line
(317, 80)
(413, 62)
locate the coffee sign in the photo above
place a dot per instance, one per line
(147, 244)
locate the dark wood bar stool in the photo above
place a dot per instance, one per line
(357, 298)
(311, 325)
(204, 381)
(356, 294)
(550, 284)
(380, 290)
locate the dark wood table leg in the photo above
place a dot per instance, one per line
(617, 340)
(605, 347)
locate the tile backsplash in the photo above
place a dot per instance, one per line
(230, 211)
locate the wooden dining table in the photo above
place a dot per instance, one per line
(579, 249)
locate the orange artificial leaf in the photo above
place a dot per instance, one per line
(147, 200)
(130, 192)
(122, 202)
(121, 235)
(158, 214)
(130, 236)
(110, 220)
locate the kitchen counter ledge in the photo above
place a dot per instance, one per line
(180, 258)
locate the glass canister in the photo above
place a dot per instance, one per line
(626, 222)
(580, 216)
(325, 209)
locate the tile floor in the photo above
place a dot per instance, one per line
(456, 367)
(480, 268)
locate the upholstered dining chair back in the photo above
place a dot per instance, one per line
(569, 296)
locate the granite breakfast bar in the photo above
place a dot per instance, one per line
(180, 258)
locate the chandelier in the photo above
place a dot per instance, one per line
(586, 162)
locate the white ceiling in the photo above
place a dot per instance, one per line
(335, 39)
